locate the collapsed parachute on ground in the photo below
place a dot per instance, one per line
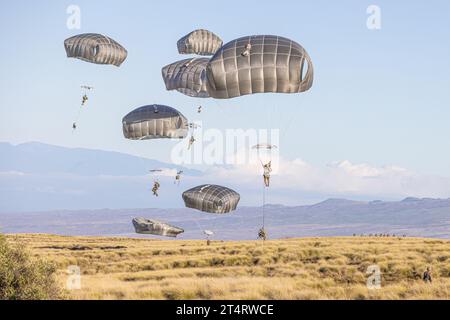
(257, 64)
(201, 42)
(155, 122)
(187, 76)
(150, 226)
(95, 48)
(211, 198)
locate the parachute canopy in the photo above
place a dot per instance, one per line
(265, 146)
(150, 226)
(211, 198)
(187, 76)
(95, 48)
(258, 64)
(155, 122)
(208, 232)
(201, 42)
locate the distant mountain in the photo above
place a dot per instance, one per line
(37, 176)
(40, 158)
(333, 217)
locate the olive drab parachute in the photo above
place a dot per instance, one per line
(151, 226)
(258, 64)
(95, 48)
(155, 122)
(201, 42)
(187, 76)
(211, 198)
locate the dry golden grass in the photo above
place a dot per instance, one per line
(308, 268)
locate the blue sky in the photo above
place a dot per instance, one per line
(379, 96)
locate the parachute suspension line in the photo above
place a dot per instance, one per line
(224, 111)
(287, 127)
(264, 207)
(84, 99)
(267, 114)
(76, 119)
(145, 167)
(262, 231)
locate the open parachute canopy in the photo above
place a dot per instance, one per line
(208, 232)
(201, 42)
(257, 64)
(211, 198)
(150, 226)
(95, 48)
(264, 146)
(155, 122)
(187, 76)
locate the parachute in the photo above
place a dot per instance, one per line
(187, 76)
(208, 233)
(155, 122)
(258, 64)
(201, 42)
(150, 226)
(95, 48)
(263, 146)
(211, 198)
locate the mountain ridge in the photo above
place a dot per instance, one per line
(41, 158)
(424, 218)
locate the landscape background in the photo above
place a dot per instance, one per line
(57, 190)
(335, 217)
(364, 152)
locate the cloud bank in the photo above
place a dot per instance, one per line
(341, 178)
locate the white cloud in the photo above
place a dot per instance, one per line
(11, 173)
(341, 178)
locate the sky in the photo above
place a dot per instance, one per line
(380, 98)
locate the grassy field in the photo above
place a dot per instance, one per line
(307, 268)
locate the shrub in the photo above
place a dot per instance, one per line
(24, 278)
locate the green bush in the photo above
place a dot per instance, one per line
(25, 278)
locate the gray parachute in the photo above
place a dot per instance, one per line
(257, 64)
(95, 48)
(155, 122)
(150, 226)
(201, 42)
(211, 198)
(187, 76)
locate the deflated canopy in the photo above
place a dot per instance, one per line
(257, 64)
(155, 122)
(95, 48)
(211, 198)
(187, 76)
(150, 226)
(201, 42)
